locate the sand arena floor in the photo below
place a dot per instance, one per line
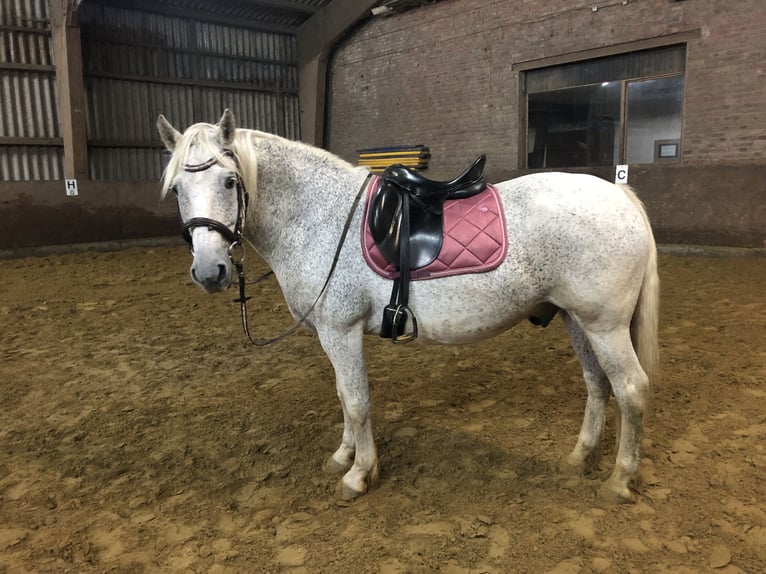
(139, 433)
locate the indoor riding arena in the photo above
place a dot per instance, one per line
(141, 432)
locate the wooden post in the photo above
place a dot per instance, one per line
(316, 38)
(312, 80)
(67, 57)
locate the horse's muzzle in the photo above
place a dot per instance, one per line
(212, 278)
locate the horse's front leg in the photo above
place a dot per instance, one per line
(342, 459)
(357, 453)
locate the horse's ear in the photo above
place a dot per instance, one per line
(168, 134)
(227, 127)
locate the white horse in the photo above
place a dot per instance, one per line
(577, 243)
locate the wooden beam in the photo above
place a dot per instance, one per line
(73, 13)
(96, 35)
(312, 98)
(121, 144)
(43, 142)
(67, 57)
(25, 30)
(37, 68)
(316, 38)
(283, 5)
(201, 16)
(270, 89)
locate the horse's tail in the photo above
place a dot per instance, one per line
(645, 321)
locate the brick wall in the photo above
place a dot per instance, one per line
(442, 75)
(725, 105)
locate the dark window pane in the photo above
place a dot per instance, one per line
(654, 112)
(574, 127)
(631, 65)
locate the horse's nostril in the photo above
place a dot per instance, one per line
(207, 277)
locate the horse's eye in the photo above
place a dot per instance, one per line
(231, 182)
(174, 189)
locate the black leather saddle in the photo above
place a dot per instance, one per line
(426, 198)
(405, 219)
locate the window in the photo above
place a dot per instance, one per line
(618, 109)
(654, 110)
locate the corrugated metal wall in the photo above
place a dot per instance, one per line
(30, 140)
(138, 65)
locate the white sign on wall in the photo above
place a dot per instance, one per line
(621, 174)
(71, 187)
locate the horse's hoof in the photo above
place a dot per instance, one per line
(570, 466)
(332, 466)
(345, 492)
(354, 484)
(580, 462)
(614, 492)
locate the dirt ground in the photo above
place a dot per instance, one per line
(139, 433)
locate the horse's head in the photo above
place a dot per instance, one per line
(205, 175)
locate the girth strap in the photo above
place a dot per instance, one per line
(396, 313)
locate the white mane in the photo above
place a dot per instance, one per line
(205, 136)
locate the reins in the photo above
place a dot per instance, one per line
(237, 259)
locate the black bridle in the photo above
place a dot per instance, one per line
(243, 199)
(236, 250)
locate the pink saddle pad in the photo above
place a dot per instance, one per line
(475, 238)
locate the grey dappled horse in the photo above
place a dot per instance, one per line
(576, 243)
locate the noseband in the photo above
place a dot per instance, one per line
(233, 237)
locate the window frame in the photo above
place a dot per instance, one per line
(522, 68)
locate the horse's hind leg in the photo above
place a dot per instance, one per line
(345, 351)
(587, 451)
(614, 350)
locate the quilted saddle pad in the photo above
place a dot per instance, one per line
(475, 238)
